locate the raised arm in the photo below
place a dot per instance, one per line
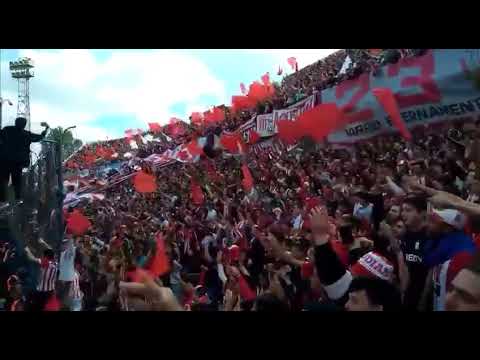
(39, 137)
(333, 275)
(446, 200)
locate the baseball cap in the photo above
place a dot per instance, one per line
(451, 217)
(373, 264)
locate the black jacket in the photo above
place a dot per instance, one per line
(15, 145)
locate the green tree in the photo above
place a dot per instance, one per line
(70, 144)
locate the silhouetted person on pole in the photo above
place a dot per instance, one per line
(15, 155)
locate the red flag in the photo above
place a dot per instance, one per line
(77, 223)
(155, 127)
(214, 116)
(320, 121)
(266, 79)
(253, 136)
(208, 117)
(258, 92)
(144, 183)
(242, 103)
(247, 181)
(386, 98)
(280, 71)
(176, 127)
(243, 89)
(159, 264)
(232, 141)
(100, 151)
(89, 158)
(292, 61)
(218, 114)
(197, 118)
(194, 149)
(288, 131)
(197, 193)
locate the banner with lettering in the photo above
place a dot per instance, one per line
(442, 85)
(293, 111)
(269, 145)
(246, 128)
(265, 125)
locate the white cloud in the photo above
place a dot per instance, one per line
(74, 87)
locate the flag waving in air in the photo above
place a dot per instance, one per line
(292, 61)
(386, 98)
(155, 127)
(160, 263)
(247, 178)
(144, 183)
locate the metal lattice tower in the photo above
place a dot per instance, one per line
(21, 70)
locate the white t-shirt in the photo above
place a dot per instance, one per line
(67, 269)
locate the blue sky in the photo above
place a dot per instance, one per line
(104, 92)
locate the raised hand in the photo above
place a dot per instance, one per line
(319, 225)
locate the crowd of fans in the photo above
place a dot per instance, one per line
(383, 226)
(319, 76)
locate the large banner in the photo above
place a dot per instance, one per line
(439, 86)
(293, 111)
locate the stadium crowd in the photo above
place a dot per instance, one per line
(385, 225)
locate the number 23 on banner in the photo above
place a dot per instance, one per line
(429, 92)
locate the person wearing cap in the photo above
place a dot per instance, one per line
(449, 250)
(366, 286)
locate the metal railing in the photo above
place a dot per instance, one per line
(38, 215)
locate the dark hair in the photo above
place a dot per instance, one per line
(418, 202)
(270, 303)
(20, 122)
(49, 254)
(379, 292)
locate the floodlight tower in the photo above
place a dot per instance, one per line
(21, 70)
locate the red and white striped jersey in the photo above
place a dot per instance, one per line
(75, 292)
(48, 275)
